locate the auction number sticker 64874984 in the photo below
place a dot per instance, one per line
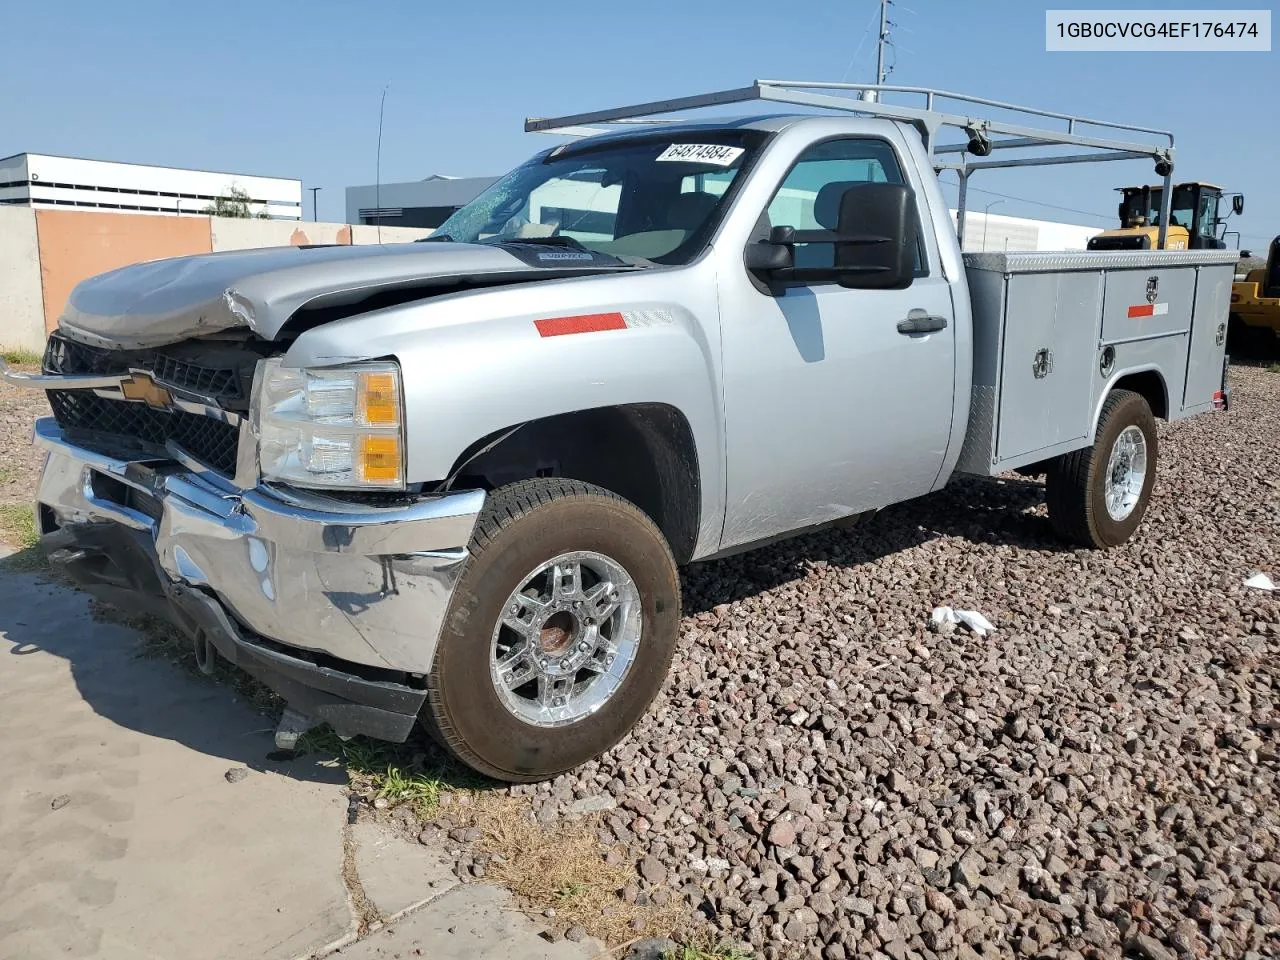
(716, 154)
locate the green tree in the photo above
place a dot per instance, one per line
(234, 203)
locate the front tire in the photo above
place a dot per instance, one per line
(559, 634)
(1097, 496)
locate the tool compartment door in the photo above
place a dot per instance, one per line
(1208, 337)
(1051, 330)
(1146, 304)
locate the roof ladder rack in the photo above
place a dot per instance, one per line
(1012, 126)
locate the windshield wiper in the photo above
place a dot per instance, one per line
(435, 238)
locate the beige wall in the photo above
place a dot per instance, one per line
(366, 234)
(232, 234)
(45, 253)
(21, 299)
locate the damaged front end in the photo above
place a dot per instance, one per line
(151, 498)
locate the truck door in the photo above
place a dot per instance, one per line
(832, 405)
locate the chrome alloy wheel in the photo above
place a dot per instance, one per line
(567, 637)
(1126, 473)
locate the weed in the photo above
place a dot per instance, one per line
(21, 358)
(563, 864)
(7, 475)
(399, 773)
(18, 528)
(723, 951)
(1274, 368)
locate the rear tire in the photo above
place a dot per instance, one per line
(503, 625)
(1078, 483)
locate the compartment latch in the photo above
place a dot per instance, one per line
(1042, 365)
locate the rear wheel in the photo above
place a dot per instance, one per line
(1097, 496)
(559, 634)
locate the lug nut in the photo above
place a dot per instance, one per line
(559, 701)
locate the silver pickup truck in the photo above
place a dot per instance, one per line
(453, 480)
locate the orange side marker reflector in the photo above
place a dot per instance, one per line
(587, 323)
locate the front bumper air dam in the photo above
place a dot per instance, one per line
(334, 606)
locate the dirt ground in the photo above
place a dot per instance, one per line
(20, 461)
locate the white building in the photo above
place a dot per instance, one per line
(993, 232)
(38, 180)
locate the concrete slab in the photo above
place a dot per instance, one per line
(398, 876)
(121, 835)
(470, 921)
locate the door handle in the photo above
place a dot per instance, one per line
(918, 321)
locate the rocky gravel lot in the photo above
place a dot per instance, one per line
(827, 777)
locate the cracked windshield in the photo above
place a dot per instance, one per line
(651, 199)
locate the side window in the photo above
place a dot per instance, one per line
(1208, 210)
(809, 197)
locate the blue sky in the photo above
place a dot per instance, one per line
(292, 89)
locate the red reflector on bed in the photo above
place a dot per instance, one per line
(1146, 310)
(587, 323)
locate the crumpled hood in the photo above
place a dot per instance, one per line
(150, 304)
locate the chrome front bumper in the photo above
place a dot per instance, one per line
(362, 584)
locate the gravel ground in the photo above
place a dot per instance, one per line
(826, 777)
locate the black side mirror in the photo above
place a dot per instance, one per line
(1237, 204)
(1120, 213)
(776, 253)
(876, 237)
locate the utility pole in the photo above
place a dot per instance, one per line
(871, 96)
(884, 39)
(314, 213)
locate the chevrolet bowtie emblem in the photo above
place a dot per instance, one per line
(140, 386)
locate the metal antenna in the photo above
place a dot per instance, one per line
(377, 189)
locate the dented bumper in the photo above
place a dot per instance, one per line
(311, 594)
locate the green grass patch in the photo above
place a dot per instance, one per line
(18, 529)
(400, 773)
(1274, 368)
(720, 952)
(18, 525)
(21, 358)
(7, 475)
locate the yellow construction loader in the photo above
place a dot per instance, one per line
(1194, 219)
(1255, 304)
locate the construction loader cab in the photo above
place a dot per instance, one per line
(1195, 219)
